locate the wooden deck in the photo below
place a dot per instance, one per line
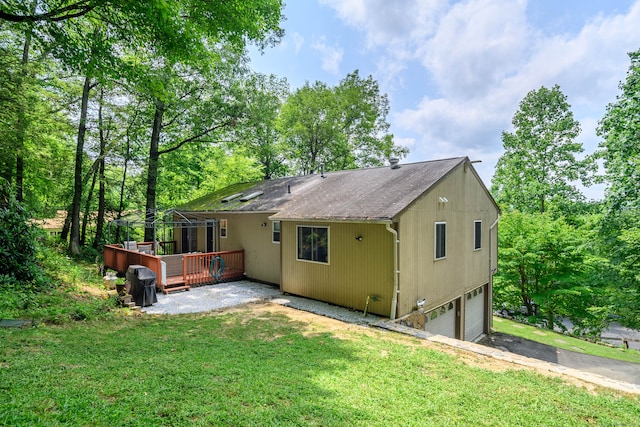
(182, 271)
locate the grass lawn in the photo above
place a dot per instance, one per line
(566, 342)
(268, 366)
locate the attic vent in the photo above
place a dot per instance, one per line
(252, 196)
(230, 198)
(393, 161)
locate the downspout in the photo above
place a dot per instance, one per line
(396, 272)
(491, 272)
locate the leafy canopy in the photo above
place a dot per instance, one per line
(539, 164)
(343, 127)
(545, 266)
(620, 147)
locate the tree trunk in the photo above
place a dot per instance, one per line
(74, 241)
(550, 319)
(87, 207)
(124, 178)
(152, 171)
(21, 123)
(97, 241)
(122, 185)
(66, 226)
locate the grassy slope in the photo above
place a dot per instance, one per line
(268, 369)
(566, 342)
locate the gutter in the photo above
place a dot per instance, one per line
(396, 272)
(491, 227)
(491, 272)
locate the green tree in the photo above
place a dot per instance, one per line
(92, 38)
(189, 174)
(545, 266)
(343, 127)
(620, 147)
(627, 291)
(18, 244)
(34, 124)
(539, 164)
(264, 98)
(191, 108)
(620, 150)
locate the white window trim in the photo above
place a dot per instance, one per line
(226, 228)
(273, 232)
(478, 221)
(435, 240)
(328, 244)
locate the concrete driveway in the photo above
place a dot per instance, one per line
(614, 369)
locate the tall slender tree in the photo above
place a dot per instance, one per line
(264, 98)
(90, 37)
(539, 164)
(620, 149)
(620, 146)
(344, 127)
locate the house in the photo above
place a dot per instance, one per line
(415, 241)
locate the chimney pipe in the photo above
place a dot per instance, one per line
(393, 162)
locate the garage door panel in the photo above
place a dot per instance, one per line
(474, 314)
(442, 320)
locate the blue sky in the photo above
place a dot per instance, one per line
(455, 71)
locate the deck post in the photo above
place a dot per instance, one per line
(184, 269)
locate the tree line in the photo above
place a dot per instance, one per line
(561, 256)
(107, 107)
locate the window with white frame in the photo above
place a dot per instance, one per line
(440, 240)
(313, 244)
(275, 231)
(223, 228)
(477, 235)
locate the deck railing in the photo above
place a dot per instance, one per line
(119, 259)
(197, 268)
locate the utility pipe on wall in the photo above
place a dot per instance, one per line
(394, 297)
(490, 296)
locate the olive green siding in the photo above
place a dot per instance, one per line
(246, 231)
(252, 232)
(356, 268)
(459, 200)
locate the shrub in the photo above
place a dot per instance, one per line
(18, 246)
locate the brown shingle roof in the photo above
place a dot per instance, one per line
(373, 194)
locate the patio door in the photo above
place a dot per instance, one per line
(211, 236)
(189, 238)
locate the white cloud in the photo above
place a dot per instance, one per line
(588, 66)
(483, 70)
(479, 58)
(384, 22)
(331, 57)
(477, 44)
(298, 41)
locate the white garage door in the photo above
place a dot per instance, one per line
(442, 320)
(474, 314)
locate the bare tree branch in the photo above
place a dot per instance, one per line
(73, 10)
(205, 132)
